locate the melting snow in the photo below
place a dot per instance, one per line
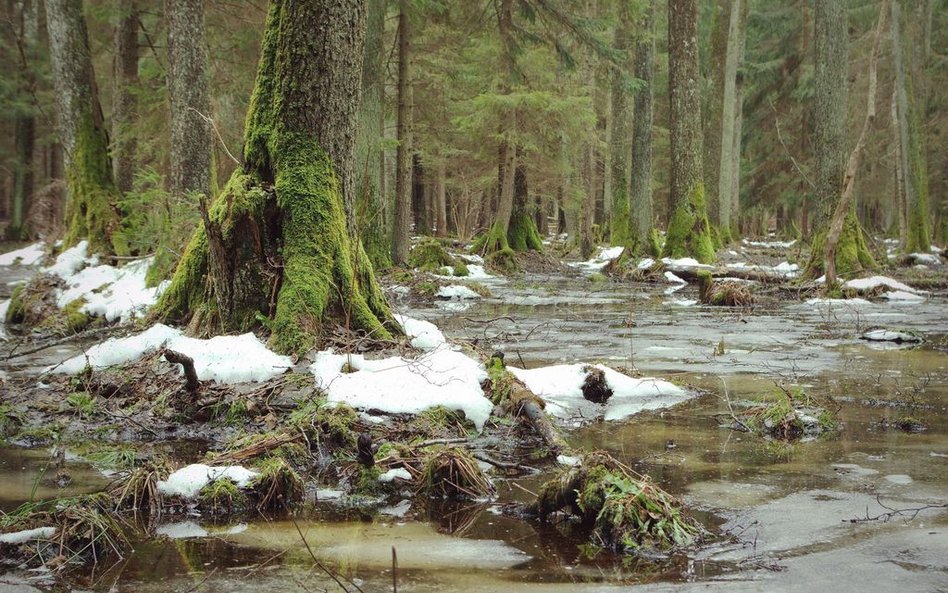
(226, 359)
(398, 472)
(671, 277)
(603, 256)
(188, 481)
(773, 244)
(456, 291)
(441, 377)
(876, 281)
(423, 334)
(110, 292)
(21, 537)
(885, 335)
(561, 387)
(27, 256)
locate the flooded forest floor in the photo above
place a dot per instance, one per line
(859, 508)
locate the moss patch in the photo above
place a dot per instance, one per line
(689, 233)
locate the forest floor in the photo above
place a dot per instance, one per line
(864, 501)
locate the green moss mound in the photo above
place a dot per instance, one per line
(429, 256)
(689, 233)
(625, 511)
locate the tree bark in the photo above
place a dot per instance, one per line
(124, 80)
(287, 249)
(403, 158)
(641, 175)
(24, 21)
(370, 211)
(91, 211)
(689, 232)
(190, 170)
(619, 136)
(440, 200)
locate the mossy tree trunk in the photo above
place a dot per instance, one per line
(641, 174)
(689, 233)
(275, 245)
(403, 154)
(522, 234)
(91, 209)
(850, 253)
(370, 168)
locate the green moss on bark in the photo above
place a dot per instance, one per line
(689, 233)
(619, 227)
(91, 211)
(852, 253)
(522, 234)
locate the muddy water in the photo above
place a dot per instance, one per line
(792, 518)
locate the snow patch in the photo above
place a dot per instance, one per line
(603, 256)
(771, 244)
(456, 291)
(885, 335)
(399, 472)
(21, 537)
(928, 259)
(440, 377)
(3, 315)
(686, 263)
(671, 277)
(110, 292)
(188, 481)
(226, 359)
(901, 295)
(27, 256)
(681, 302)
(863, 284)
(561, 386)
(423, 334)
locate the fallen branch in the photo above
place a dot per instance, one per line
(187, 363)
(890, 513)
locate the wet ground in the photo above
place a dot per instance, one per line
(860, 512)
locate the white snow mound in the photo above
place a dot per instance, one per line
(188, 481)
(456, 291)
(27, 535)
(226, 359)
(441, 377)
(862, 284)
(423, 334)
(561, 387)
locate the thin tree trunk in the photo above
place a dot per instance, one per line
(734, 193)
(900, 206)
(641, 174)
(619, 133)
(403, 154)
(190, 101)
(370, 217)
(24, 20)
(124, 80)
(440, 200)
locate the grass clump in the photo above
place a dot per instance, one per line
(460, 269)
(625, 511)
(723, 294)
(85, 528)
(222, 496)
(792, 416)
(452, 472)
(82, 403)
(139, 490)
(322, 421)
(277, 485)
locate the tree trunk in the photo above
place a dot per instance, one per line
(403, 158)
(369, 135)
(829, 137)
(734, 165)
(641, 175)
(845, 207)
(24, 21)
(275, 242)
(619, 136)
(440, 200)
(719, 136)
(124, 80)
(911, 141)
(91, 211)
(190, 102)
(522, 234)
(689, 233)
(899, 171)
